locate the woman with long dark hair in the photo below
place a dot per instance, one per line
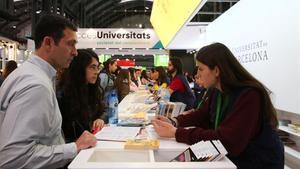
(238, 112)
(133, 83)
(145, 79)
(160, 76)
(122, 84)
(80, 96)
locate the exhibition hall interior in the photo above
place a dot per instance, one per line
(149, 84)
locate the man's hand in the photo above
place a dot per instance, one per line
(86, 140)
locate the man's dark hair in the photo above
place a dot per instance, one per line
(53, 26)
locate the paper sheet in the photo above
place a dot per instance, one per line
(115, 133)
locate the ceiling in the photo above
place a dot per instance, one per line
(16, 15)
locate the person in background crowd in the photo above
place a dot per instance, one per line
(138, 76)
(133, 82)
(196, 85)
(107, 76)
(145, 78)
(152, 81)
(81, 97)
(188, 77)
(239, 113)
(161, 78)
(200, 92)
(151, 74)
(148, 73)
(117, 70)
(107, 79)
(133, 76)
(9, 67)
(179, 87)
(30, 119)
(122, 84)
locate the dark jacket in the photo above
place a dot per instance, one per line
(244, 131)
(123, 90)
(74, 119)
(186, 97)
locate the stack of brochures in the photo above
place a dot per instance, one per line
(135, 120)
(171, 109)
(202, 151)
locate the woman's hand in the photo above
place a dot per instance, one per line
(164, 129)
(98, 124)
(187, 112)
(162, 118)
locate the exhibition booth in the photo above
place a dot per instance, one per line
(264, 39)
(126, 45)
(113, 153)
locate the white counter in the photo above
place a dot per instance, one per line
(111, 155)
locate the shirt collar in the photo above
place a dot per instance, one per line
(44, 65)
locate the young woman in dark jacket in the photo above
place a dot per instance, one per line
(238, 112)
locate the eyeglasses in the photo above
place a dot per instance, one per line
(95, 68)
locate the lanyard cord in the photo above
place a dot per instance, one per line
(203, 99)
(220, 108)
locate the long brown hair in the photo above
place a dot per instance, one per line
(123, 77)
(162, 75)
(233, 75)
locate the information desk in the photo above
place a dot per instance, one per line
(112, 155)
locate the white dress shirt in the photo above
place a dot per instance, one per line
(30, 119)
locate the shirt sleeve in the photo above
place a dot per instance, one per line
(235, 131)
(177, 85)
(29, 134)
(197, 118)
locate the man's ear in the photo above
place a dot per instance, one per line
(48, 42)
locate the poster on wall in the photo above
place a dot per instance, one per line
(266, 43)
(117, 38)
(171, 21)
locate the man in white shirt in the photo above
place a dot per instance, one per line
(30, 119)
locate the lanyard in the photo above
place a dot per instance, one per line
(203, 99)
(220, 108)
